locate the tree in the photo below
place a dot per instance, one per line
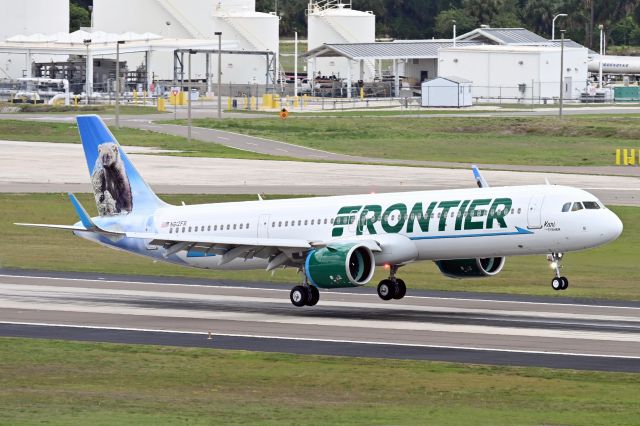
(483, 11)
(78, 17)
(464, 22)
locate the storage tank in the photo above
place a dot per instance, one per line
(29, 17)
(615, 64)
(333, 21)
(197, 19)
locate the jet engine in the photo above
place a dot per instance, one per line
(471, 268)
(340, 265)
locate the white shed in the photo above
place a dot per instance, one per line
(446, 92)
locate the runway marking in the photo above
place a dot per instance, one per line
(262, 318)
(307, 339)
(104, 280)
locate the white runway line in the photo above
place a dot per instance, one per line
(306, 339)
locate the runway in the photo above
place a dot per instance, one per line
(60, 167)
(461, 327)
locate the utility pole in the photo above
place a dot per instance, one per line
(561, 71)
(219, 34)
(118, 82)
(87, 73)
(295, 66)
(189, 98)
(601, 27)
(453, 21)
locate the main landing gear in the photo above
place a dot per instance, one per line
(305, 294)
(392, 288)
(558, 282)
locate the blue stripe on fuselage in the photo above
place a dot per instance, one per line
(518, 231)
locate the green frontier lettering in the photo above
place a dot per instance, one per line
(423, 218)
(402, 216)
(346, 215)
(446, 206)
(470, 216)
(369, 220)
(496, 214)
(474, 212)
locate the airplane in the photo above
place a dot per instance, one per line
(338, 241)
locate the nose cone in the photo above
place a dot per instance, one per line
(612, 227)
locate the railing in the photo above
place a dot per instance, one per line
(320, 5)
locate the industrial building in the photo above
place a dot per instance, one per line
(517, 72)
(335, 22)
(29, 17)
(237, 20)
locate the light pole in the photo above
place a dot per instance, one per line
(219, 34)
(553, 25)
(561, 72)
(87, 73)
(118, 82)
(453, 21)
(191, 52)
(601, 27)
(295, 65)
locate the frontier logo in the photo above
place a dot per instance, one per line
(465, 214)
(627, 157)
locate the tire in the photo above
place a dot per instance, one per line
(386, 289)
(314, 296)
(556, 284)
(400, 289)
(565, 283)
(299, 296)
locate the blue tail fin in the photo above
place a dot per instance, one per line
(117, 186)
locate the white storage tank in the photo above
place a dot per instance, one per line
(333, 21)
(197, 19)
(28, 17)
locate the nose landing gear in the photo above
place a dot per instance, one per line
(558, 282)
(392, 288)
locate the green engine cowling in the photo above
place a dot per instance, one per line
(471, 268)
(340, 265)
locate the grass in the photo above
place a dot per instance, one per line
(573, 141)
(68, 133)
(82, 109)
(69, 383)
(608, 272)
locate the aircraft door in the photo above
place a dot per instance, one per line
(534, 212)
(263, 226)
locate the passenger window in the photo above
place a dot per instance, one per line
(247, 226)
(312, 221)
(208, 228)
(519, 211)
(305, 222)
(273, 224)
(331, 221)
(171, 230)
(228, 227)
(279, 224)
(189, 229)
(183, 229)
(299, 223)
(566, 207)
(241, 225)
(325, 221)
(215, 228)
(590, 205)
(286, 223)
(576, 207)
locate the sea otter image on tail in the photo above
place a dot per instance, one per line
(111, 185)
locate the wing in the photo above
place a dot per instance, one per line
(279, 251)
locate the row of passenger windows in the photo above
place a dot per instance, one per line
(574, 207)
(209, 228)
(348, 220)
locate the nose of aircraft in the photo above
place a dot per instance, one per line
(611, 227)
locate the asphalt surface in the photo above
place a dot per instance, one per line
(461, 327)
(57, 167)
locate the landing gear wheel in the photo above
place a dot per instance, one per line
(386, 289)
(565, 283)
(557, 283)
(314, 296)
(299, 296)
(400, 289)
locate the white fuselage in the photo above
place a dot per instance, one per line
(413, 225)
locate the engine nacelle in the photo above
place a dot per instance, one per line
(340, 265)
(471, 268)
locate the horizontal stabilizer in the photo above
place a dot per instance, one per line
(60, 227)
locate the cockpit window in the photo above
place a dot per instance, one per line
(576, 206)
(591, 205)
(566, 207)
